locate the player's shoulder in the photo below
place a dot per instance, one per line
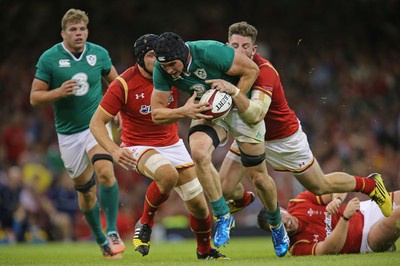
(95, 48)
(52, 51)
(264, 64)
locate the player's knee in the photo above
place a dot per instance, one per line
(104, 171)
(200, 148)
(251, 160)
(86, 189)
(167, 177)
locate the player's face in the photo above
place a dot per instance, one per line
(290, 222)
(149, 60)
(173, 68)
(75, 36)
(243, 44)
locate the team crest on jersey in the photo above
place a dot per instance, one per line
(64, 63)
(199, 88)
(91, 59)
(201, 73)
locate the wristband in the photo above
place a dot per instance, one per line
(237, 90)
(345, 218)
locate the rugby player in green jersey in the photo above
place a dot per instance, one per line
(195, 67)
(69, 76)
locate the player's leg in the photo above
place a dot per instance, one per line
(253, 159)
(73, 153)
(232, 172)
(155, 166)
(384, 234)
(204, 139)
(191, 192)
(314, 180)
(108, 192)
(294, 154)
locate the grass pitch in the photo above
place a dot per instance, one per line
(241, 251)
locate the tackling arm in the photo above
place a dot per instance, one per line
(161, 114)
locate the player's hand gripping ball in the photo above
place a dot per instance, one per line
(220, 102)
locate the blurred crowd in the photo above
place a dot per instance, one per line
(338, 62)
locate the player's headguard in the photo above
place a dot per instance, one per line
(143, 45)
(169, 46)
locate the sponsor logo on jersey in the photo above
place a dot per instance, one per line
(201, 73)
(91, 59)
(141, 95)
(145, 109)
(64, 63)
(83, 85)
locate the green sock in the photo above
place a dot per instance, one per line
(219, 207)
(274, 218)
(109, 203)
(93, 219)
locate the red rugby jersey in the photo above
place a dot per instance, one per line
(315, 225)
(280, 120)
(130, 94)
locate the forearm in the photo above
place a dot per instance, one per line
(100, 133)
(334, 243)
(161, 115)
(252, 110)
(41, 98)
(247, 79)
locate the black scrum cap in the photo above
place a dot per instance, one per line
(169, 46)
(142, 45)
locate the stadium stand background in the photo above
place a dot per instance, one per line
(338, 62)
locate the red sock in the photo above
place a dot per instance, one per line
(244, 201)
(202, 231)
(364, 184)
(152, 202)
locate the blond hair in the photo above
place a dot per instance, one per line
(244, 29)
(74, 15)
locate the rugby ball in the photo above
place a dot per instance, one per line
(220, 102)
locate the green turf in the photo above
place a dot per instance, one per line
(242, 251)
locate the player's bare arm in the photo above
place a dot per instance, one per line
(334, 243)
(41, 95)
(245, 68)
(161, 114)
(98, 128)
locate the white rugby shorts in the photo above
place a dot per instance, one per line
(177, 153)
(241, 131)
(74, 148)
(291, 154)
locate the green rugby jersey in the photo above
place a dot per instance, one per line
(210, 60)
(57, 65)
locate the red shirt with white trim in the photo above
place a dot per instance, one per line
(280, 120)
(130, 94)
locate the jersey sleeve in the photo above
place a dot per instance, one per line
(43, 69)
(113, 99)
(106, 63)
(220, 56)
(303, 248)
(160, 79)
(266, 79)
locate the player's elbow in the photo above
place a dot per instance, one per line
(157, 119)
